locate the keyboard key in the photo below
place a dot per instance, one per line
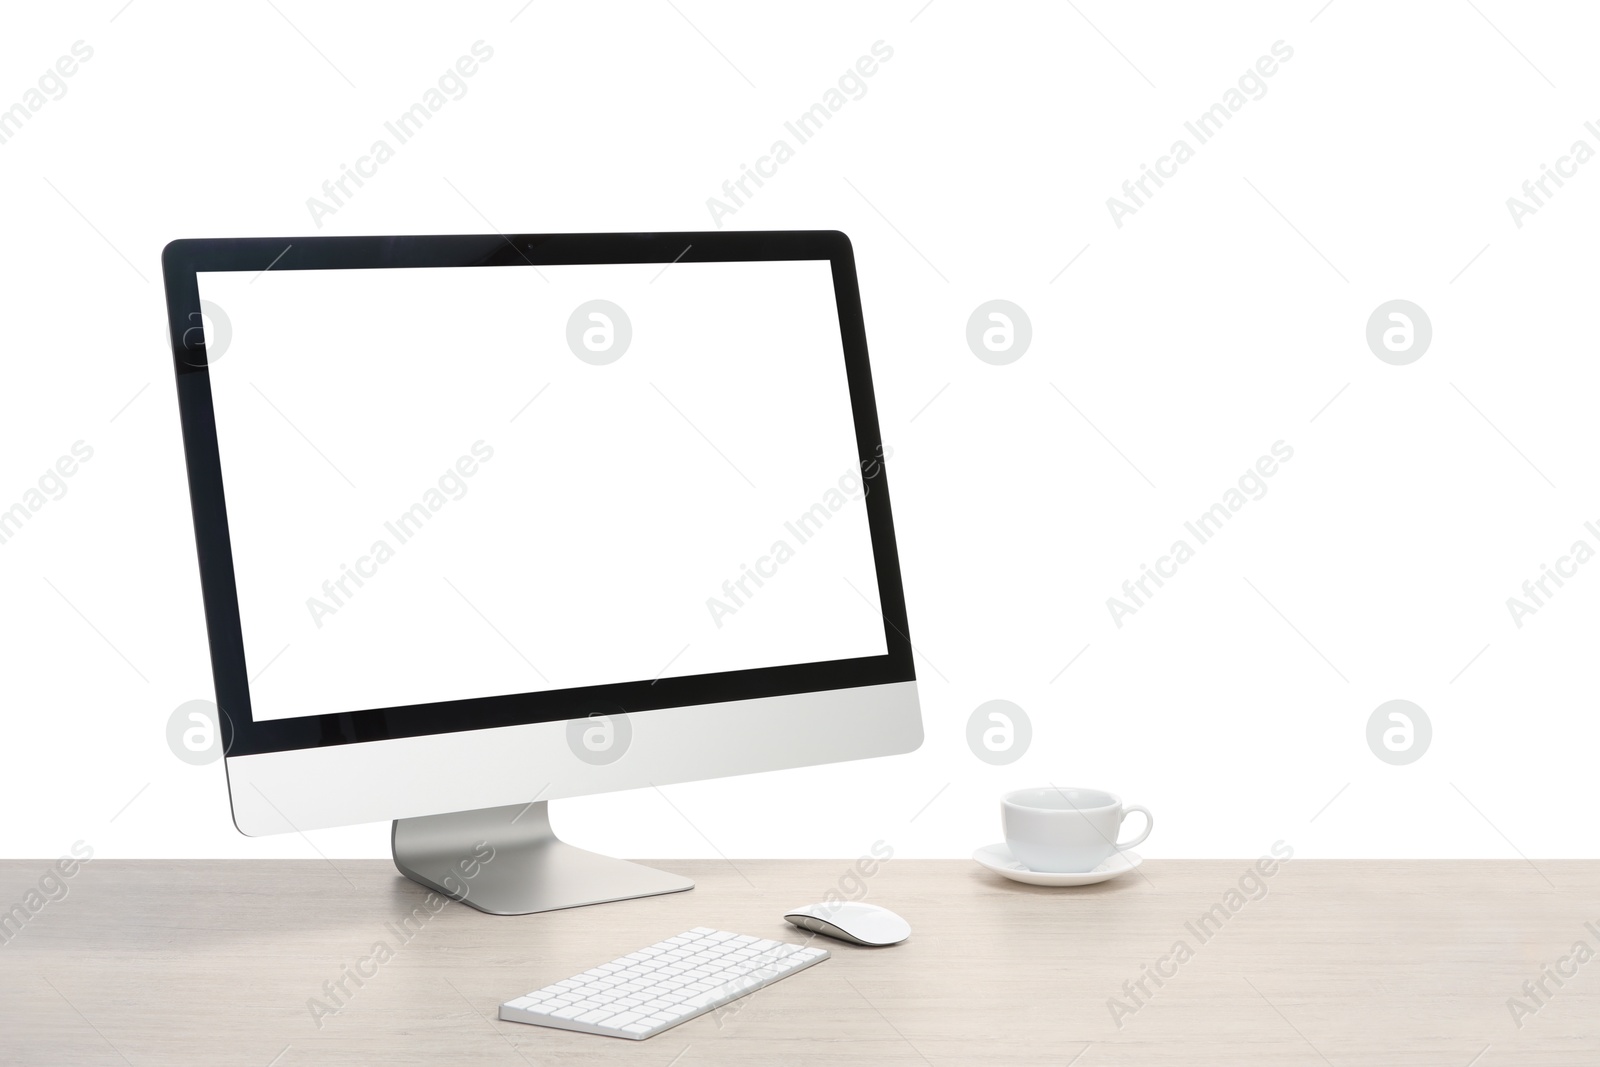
(703, 1000)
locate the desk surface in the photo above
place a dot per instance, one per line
(1340, 962)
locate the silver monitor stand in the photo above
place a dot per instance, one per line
(531, 869)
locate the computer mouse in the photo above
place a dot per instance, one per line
(852, 921)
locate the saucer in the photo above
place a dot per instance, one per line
(998, 859)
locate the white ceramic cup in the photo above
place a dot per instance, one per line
(1066, 830)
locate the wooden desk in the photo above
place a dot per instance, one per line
(1341, 962)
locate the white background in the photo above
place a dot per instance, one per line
(1227, 314)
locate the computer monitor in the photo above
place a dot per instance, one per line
(488, 521)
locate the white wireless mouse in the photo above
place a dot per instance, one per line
(852, 921)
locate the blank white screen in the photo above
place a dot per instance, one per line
(571, 524)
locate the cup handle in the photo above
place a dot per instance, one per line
(1149, 824)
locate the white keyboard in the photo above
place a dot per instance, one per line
(645, 992)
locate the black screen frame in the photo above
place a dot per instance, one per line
(182, 260)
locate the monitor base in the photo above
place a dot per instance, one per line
(508, 861)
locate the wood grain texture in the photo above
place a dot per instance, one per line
(1339, 962)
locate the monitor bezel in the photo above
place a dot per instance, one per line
(183, 260)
